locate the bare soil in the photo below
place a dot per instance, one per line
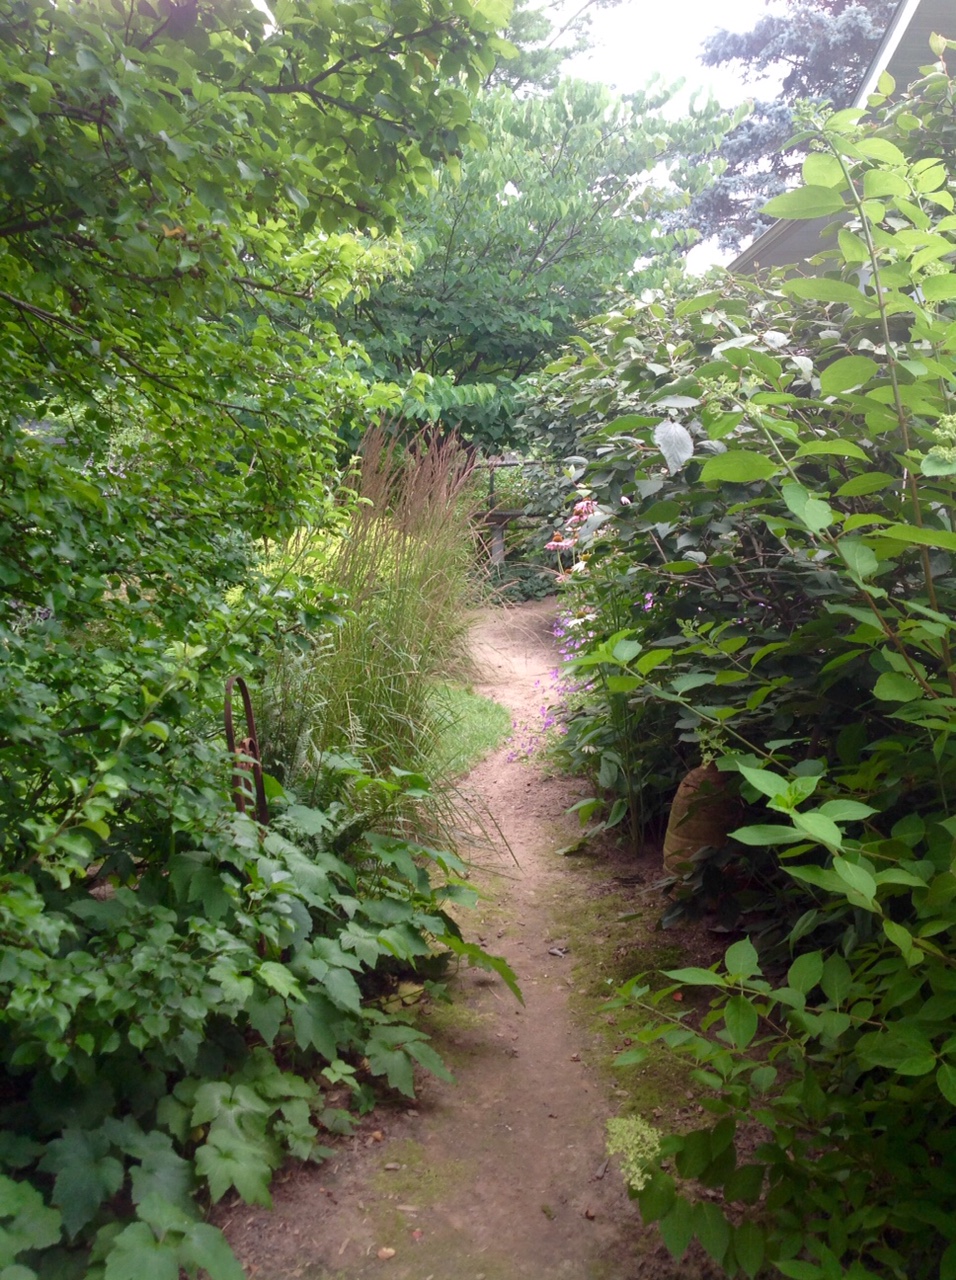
(503, 1174)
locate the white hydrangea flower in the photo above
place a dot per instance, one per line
(639, 1146)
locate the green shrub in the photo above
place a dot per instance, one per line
(178, 987)
(776, 482)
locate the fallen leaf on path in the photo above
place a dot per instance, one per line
(385, 1254)
(378, 1136)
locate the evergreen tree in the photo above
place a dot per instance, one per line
(826, 47)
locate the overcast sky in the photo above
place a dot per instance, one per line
(640, 37)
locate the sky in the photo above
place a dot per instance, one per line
(638, 38)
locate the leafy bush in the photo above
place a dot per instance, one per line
(177, 985)
(777, 483)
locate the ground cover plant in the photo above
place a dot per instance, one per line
(180, 985)
(767, 566)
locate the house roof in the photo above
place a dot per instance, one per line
(903, 50)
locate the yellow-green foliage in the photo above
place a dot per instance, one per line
(402, 566)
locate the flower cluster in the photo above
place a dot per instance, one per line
(567, 539)
(528, 737)
(639, 1146)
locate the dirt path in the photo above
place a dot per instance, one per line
(502, 1175)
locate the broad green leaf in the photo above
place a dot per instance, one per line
(922, 536)
(862, 485)
(695, 977)
(836, 979)
(702, 302)
(767, 834)
(746, 1182)
(853, 247)
(712, 1229)
(939, 288)
(823, 289)
(796, 1270)
(749, 1247)
(823, 169)
(136, 1253)
(626, 650)
(846, 810)
(893, 686)
(883, 150)
(846, 374)
(483, 960)
(86, 1175)
(632, 1057)
(657, 1197)
(280, 979)
(856, 877)
(938, 462)
(738, 467)
(819, 827)
(835, 448)
(805, 972)
(230, 1160)
(742, 959)
(878, 183)
(902, 938)
(946, 1081)
(342, 989)
(765, 781)
(860, 558)
(205, 1246)
(805, 202)
(653, 658)
(26, 1222)
(903, 1048)
(814, 513)
(426, 1056)
(675, 443)
(740, 1018)
(677, 1228)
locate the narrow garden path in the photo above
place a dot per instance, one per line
(501, 1175)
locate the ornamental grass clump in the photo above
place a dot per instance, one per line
(403, 570)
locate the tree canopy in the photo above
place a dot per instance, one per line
(563, 204)
(163, 169)
(825, 47)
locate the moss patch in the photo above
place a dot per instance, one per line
(418, 1179)
(612, 936)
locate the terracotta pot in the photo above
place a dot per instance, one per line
(702, 814)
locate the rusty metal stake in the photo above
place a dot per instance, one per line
(246, 751)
